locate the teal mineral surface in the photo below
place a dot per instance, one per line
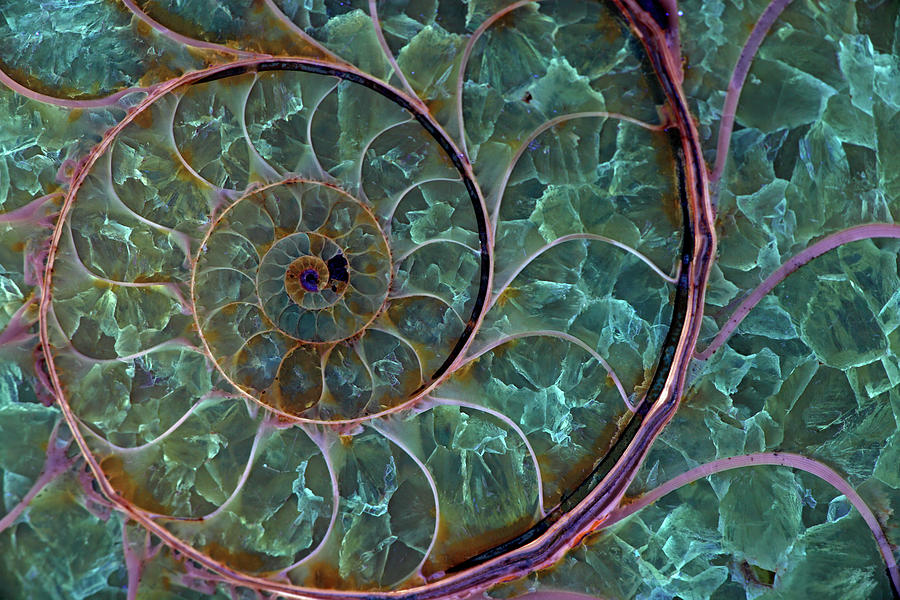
(332, 295)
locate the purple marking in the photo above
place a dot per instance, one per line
(309, 279)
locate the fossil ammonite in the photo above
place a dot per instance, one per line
(273, 322)
(382, 300)
(318, 334)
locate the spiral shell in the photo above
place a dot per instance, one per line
(301, 336)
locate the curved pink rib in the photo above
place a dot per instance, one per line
(261, 430)
(379, 33)
(394, 439)
(18, 327)
(741, 68)
(467, 53)
(388, 215)
(182, 239)
(134, 561)
(30, 211)
(576, 236)
(501, 189)
(183, 39)
(845, 236)
(63, 102)
(272, 173)
(361, 164)
(783, 459)
(176, 151)
(419, 294)
(170, 288)
(178, 342)
(165, 434)
(387, 328)
(515, 426)
(291, 26)
(467, 358)
(323, 442)
(313, 110)
(57, 463)
(407, 253)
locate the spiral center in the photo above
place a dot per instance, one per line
(309, 279)
(308, 284)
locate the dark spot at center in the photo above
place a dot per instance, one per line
(337, 268)
(309, 279)
(527, 97)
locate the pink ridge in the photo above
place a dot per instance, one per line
(18, 328)
(845, 236)
(783, 459)
(379, 33)
(738, 76)
(64, 102)
(182, 39)
(57, 463)
(33, 211)
(501, 188)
